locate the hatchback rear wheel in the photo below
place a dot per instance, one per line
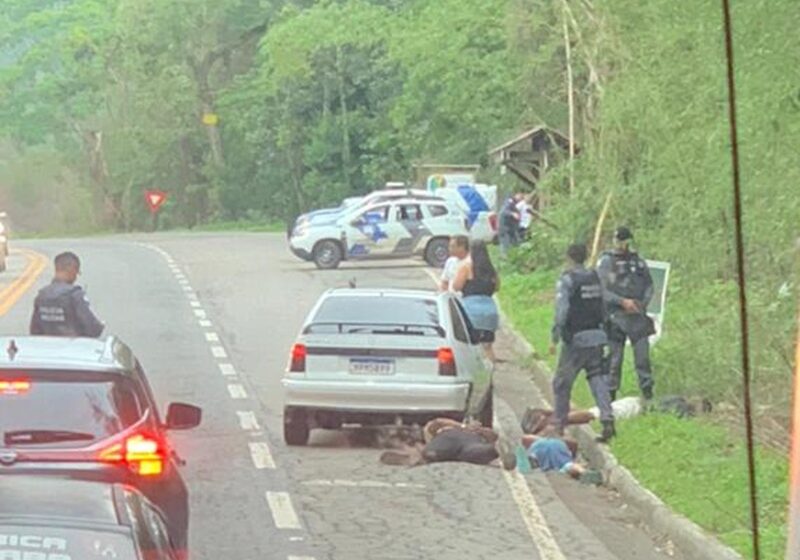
(296, 430)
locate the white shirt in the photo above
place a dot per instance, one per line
(450, 271)
(526, 217)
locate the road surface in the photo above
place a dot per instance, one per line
(212, 318)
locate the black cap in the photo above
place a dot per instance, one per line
(623, 234)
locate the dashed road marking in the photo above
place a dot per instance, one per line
(188, 289)
(212, 337)
(200, 313)
(248, 421)
(301, 558)
(227, 370)
(219, 352)
(262, 458)
(205, 323)
(237, 391)
(194, 303)
(283, 512)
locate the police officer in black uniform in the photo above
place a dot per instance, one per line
(61, 308)
(627, 290)
(579, 326)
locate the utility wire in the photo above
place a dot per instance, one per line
(741, 274)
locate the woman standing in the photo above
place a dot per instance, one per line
(478, 281)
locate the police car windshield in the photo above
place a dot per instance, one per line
(377, 315)
(66, 409)
(20, 542)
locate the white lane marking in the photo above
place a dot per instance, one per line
(237, 391)
(262, 458)
(200, 313)
(248, 420)
(283, 512)
(227, 369)
(205, 323)
(212, 337)
(301, 558)
(362, 484)
(188, 289)
(534, 520)
(183, 282)
(194, 303)
(192, 296)
(219, 352)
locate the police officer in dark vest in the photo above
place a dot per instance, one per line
(579, 326)
(61, 308)
(627, 290)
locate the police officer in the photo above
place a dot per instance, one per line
(61, 308)
(627, 290)
(509, 222)
(579, 326)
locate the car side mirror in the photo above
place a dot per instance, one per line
(182, 416)
(474, 339)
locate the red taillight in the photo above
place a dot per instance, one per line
(298, 363)
(14, 386)
(447, 362)
(143, 455)
(493, 221)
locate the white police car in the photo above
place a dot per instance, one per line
(388, 229)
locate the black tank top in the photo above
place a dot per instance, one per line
(479, 287)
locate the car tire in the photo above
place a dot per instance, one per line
(437, 251)
(296, 430)
(486, 416)
(327, 254)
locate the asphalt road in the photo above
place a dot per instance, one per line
(212, 318)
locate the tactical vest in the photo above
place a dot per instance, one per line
(585, 303)
(56, 310)
(628, 279)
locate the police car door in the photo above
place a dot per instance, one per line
(368, 235)
(408, 229)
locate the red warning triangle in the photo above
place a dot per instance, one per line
(155, 199)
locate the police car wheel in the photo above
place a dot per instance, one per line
(437, 251)
(327, 254)
(296, 430)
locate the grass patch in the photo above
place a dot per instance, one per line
(697, 468)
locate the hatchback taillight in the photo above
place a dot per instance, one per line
(142, 454)
(298, 359)
(447, 362)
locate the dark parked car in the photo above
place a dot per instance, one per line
(61, 519)
(83, 409)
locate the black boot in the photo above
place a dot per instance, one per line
(613, 394)
(647, 393)
(609, 432)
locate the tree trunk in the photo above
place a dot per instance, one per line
(571, 101)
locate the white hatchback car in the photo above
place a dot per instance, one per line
(379, 357)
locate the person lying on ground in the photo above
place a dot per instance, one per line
(536, 420)
(549, 452)
(447, 440)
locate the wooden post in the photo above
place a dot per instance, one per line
(570, 99)
(598, 230)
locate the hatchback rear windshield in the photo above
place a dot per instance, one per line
(377, 315)
(64, 544)
(63, 408)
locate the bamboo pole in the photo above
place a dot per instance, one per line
(570, 99)
(599, 228)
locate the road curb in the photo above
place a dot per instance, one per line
(689, 537)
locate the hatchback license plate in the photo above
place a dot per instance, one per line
(361, 366)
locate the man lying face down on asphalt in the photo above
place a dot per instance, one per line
(447, 440)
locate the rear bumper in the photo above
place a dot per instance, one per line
(376, 397)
